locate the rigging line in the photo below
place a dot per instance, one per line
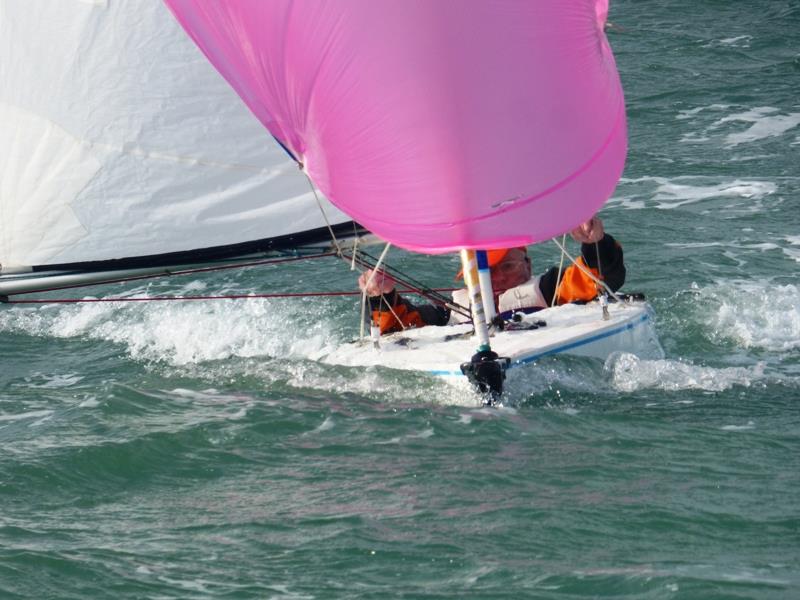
(558, 277)
(588, 273)
(322, 210)
(394, 314)
(355, 252)
(432, 294)
(170, 298)
(599, 264)
(411, 282)
(366, 285)
(168, 273)
(356, 239)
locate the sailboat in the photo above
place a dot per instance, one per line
(442, 127)
(436, 128)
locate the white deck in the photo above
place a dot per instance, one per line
(571, 329)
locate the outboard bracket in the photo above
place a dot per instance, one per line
(487, 371)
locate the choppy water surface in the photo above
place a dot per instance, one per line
(192, 450)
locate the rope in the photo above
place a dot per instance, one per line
(369, 281)
(432, 294)
(400, 277)
(225, 297)
(353, 261)
(588, 273)
(322, 211)
(599, 264)
(560, 267)
(355, 253)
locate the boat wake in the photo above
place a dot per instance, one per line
(273, 342)
(628, 373)
(750, 314)
(182, 333)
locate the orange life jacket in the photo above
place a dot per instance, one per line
(388, 323)
(576, 285)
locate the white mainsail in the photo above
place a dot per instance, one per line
(119, 140)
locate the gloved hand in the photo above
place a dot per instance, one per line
(381, 283)
(590, 232)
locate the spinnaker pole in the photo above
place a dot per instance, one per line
(485, 370)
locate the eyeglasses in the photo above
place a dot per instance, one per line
(509, 266)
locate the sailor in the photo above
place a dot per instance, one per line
(515, 288)
(389, 309)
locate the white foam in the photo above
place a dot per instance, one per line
(326, 425)
(373, 382)
(672, 194)
(54, 381)
(748, 426)
(33, 414)
(694, 244)
(751, 314)
(740, 41)
(688, 114)
(764, 125)
(764, 122)
(667, 194)
(793, 253)
(630, 373)
(181, 333)
(421, 435)
(629, 203)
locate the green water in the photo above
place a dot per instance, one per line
(192, 450)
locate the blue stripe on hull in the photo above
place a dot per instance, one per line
(559, 349)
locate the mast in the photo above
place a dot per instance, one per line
(485, 370)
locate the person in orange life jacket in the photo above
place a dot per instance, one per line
(514, 287)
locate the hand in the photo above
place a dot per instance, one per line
(381, 283)
(590, 232)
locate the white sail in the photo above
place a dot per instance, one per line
(118, 139)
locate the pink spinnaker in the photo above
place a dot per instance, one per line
(436, 124)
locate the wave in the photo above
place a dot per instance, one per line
(743, 126)
(629, 373)
(724, 194)
(749, 314)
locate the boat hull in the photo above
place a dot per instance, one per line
(571, 329)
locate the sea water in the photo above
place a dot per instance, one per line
(192, 450)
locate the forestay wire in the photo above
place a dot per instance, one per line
(560, 270)
(322, 210)
(369, 281)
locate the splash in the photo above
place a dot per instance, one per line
(629, 373)
(182, 333)
(751, 314)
